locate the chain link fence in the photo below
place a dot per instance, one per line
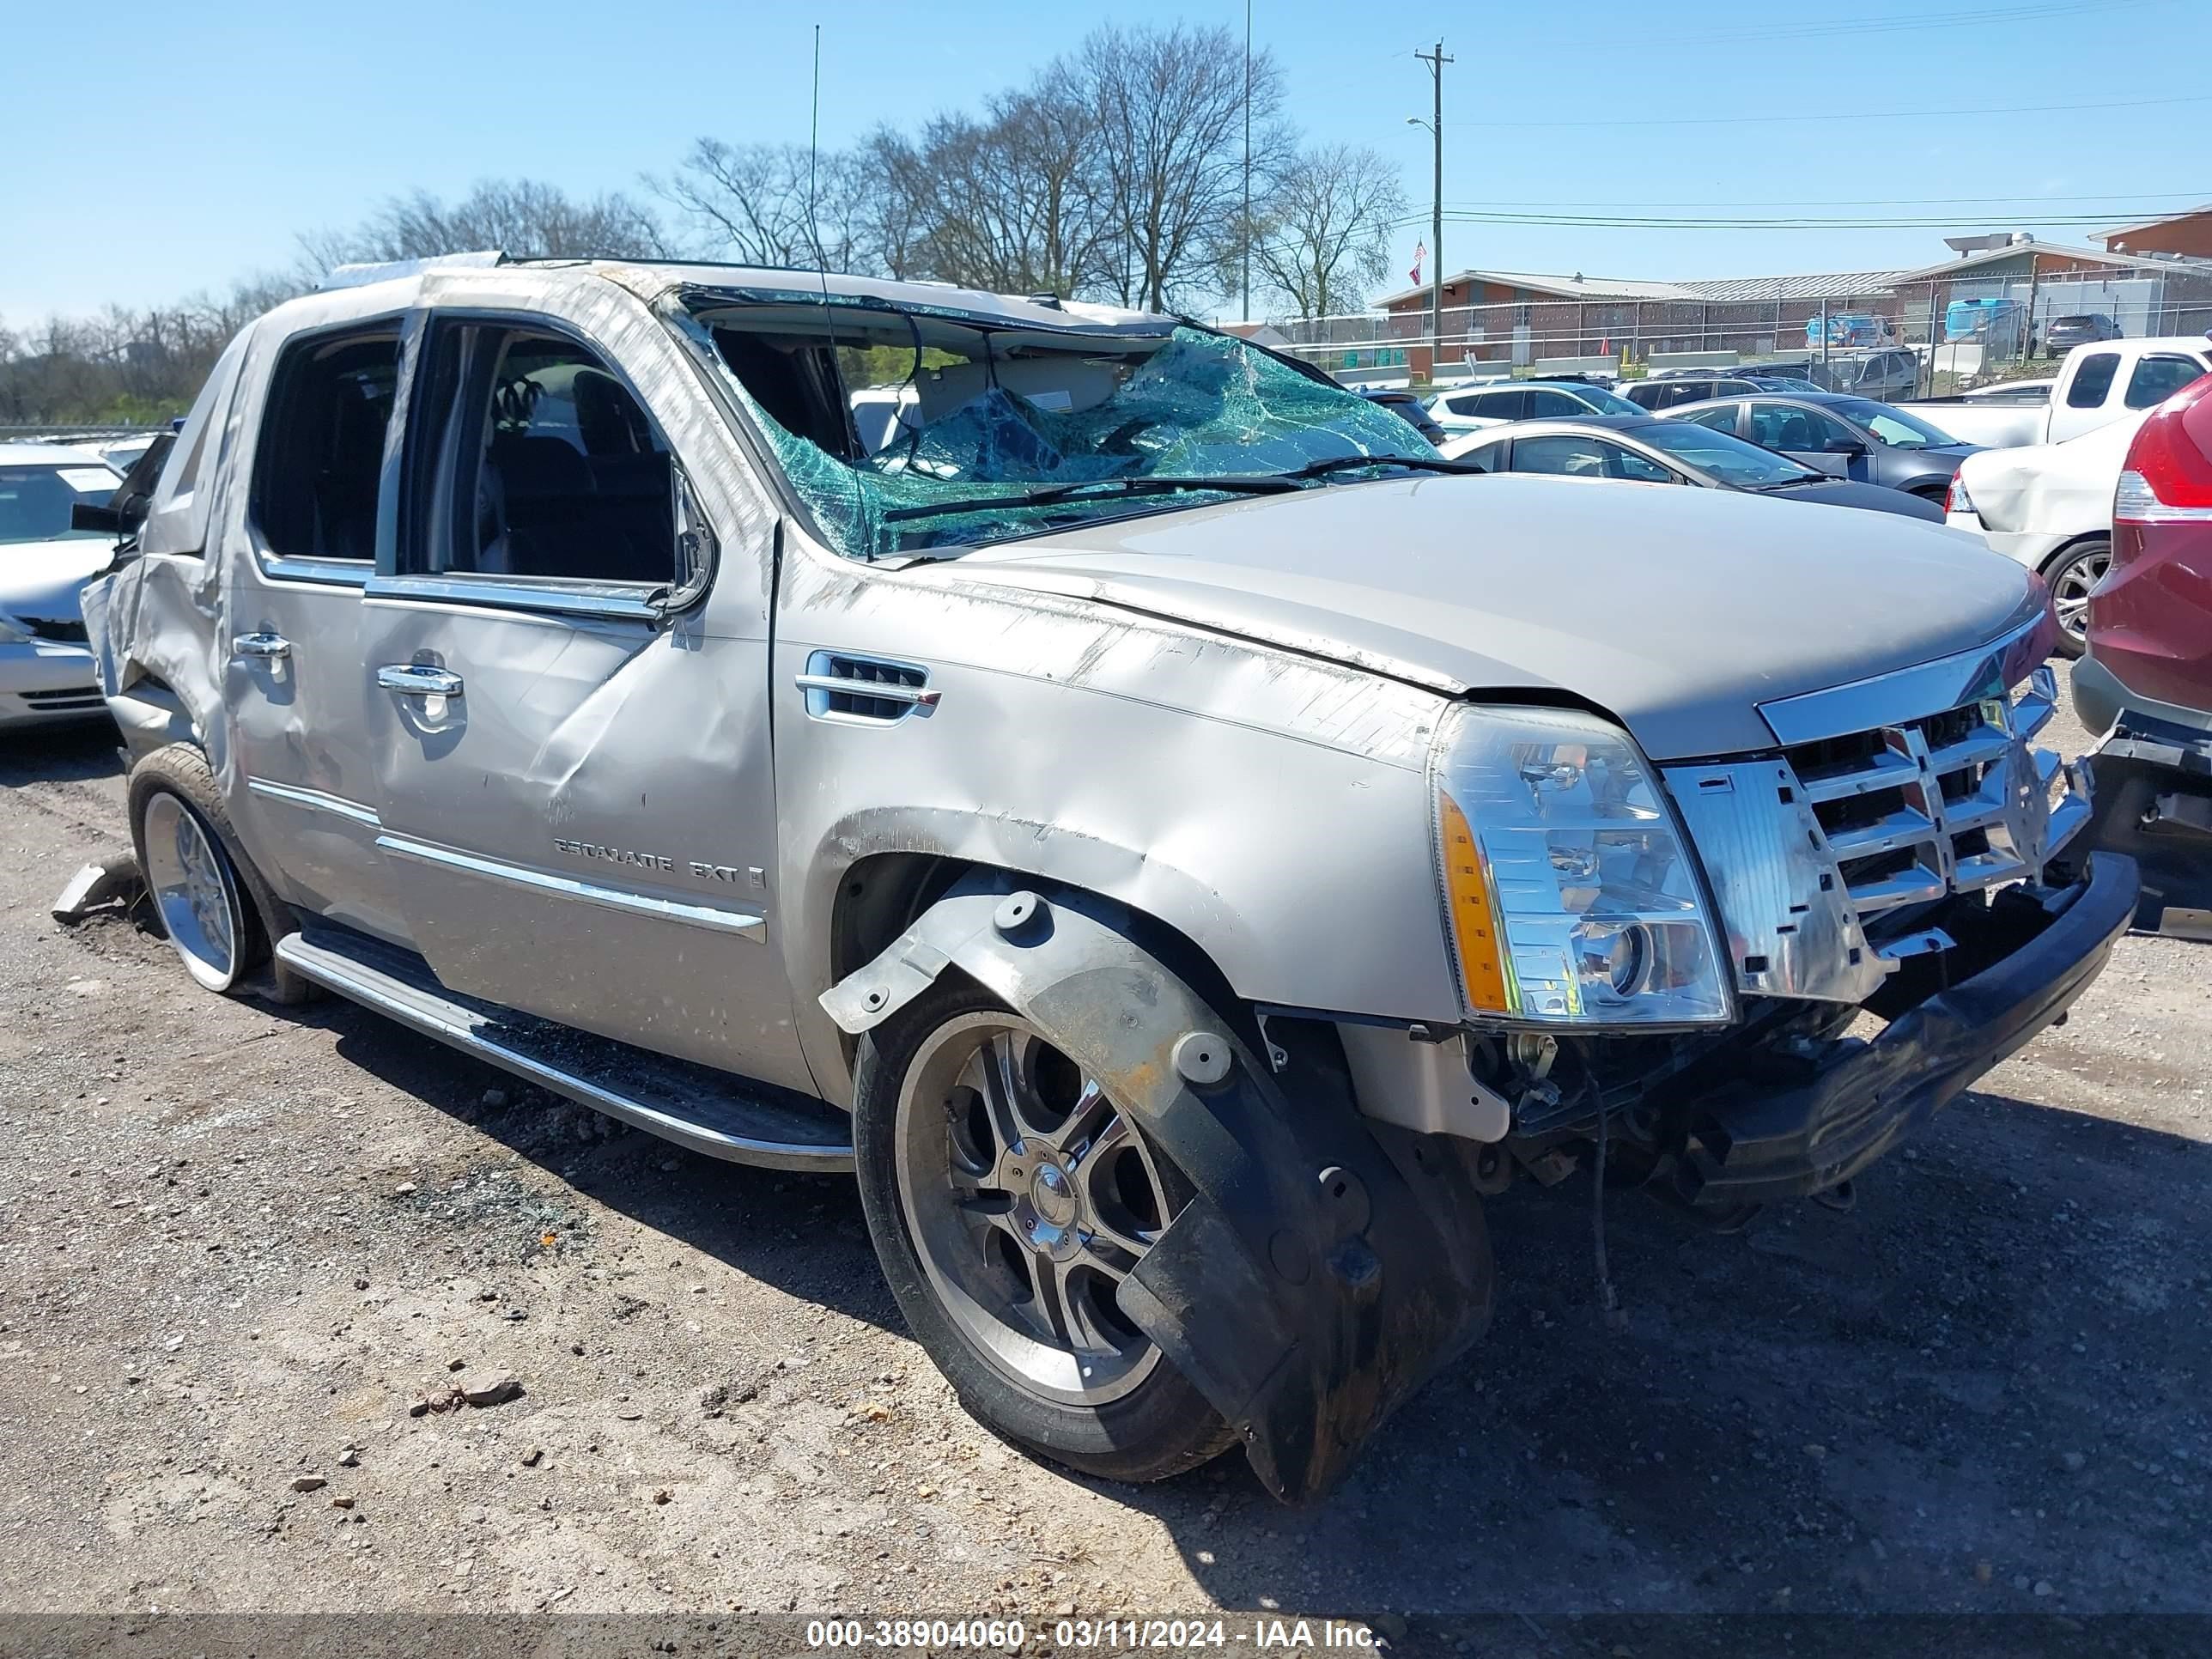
(1894, 342)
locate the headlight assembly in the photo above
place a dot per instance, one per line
(1573, 894)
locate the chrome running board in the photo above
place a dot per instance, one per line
(694, 1106)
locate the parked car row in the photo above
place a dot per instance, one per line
(1644, 449)
(1183, 843)
(46, 670)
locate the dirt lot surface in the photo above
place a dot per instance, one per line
(240, 1243)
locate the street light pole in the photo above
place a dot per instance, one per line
(1436, 61)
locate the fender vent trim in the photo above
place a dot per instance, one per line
(856, 691)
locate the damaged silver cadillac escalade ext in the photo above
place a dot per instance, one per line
(1111, 786)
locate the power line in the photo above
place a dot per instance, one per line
(1858, 201)
(1844, 115)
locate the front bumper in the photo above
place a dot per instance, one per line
(1748, 1146)
(41, 681)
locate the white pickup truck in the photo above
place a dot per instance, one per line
(2097, 383)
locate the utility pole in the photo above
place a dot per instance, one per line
(1244, 236)
(1436, 60)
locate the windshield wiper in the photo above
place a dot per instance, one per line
(1138, 484)
(1348, 463)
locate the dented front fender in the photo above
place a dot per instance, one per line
(1327, 1264)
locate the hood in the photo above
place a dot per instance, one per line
(2060, 489)
(1677, 611)
(1848, 492)
(43, 579)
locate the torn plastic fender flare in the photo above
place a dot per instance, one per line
(1318, 1278)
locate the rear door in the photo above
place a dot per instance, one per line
(294, 689)
(2088, 397)
(571, 730)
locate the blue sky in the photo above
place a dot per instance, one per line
(174, 148)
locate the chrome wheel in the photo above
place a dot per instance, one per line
(1029, 1197)
(2071, 585)
(193, 887)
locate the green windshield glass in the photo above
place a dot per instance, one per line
(906, 431)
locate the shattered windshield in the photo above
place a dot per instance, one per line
(906, 429)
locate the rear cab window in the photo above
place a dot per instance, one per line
(2092, 379)
(319, 463)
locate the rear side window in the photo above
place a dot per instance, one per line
(2092, 379)
(1721, 418)
(537, 462)
(1501, 405)
(321, 451)
(1569, 455)
(1545, 404)
(2158, 377)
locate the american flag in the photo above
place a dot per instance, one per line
(1420, 252)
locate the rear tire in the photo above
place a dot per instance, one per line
(2072, 574)
(216, 909)
(1002, 1233)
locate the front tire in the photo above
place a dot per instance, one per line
(1007, 1196)
(2072, 576)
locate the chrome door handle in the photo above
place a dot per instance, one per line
(261, 645)
(415, 679)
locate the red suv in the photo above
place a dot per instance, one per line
(2147, 678)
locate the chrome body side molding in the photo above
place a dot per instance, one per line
(314, 800)
(584, 892)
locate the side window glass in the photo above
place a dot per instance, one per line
(1575, 457)
(320, 455)
(1627, 463)
(1721, 418)
(1784, 426)
(1502, 405)
(2092, 379)
(2158, 378)
(1545, 404)
(545, 467)
(1834, 436)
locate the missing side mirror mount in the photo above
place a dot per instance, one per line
(697, 548)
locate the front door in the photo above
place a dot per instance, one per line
(1809, 435)
(305, 789)
(573, 745)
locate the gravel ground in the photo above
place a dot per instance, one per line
(240, 1244)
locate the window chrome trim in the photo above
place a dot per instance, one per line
(521, 593)
(607, 898)
(326, 572)
(1909, 694)
(315, 800)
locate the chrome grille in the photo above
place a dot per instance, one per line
(1951, 801)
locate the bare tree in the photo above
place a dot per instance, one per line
(773, 204)
(525, 217)
(1170, 109)
(1322, 235)
(1014, 200)
(125, 365)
